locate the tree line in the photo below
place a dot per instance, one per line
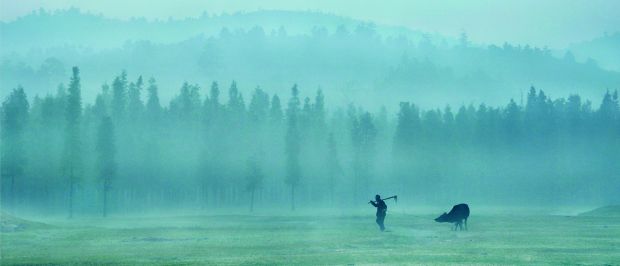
(127, 152)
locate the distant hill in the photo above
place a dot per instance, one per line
(43, 29)
(612, 210)
(351, 60)
(604, 50)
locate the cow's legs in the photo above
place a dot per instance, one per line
(466, 224)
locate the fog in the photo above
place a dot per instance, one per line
(296, 110)
(353, 61)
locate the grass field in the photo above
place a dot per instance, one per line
(299, 239)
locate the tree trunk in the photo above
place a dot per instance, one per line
(331, 191)
(252, 201)
(292, 197)
(12, 193)
(71, 197)
(105, 201)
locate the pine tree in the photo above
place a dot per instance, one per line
(293, 168)
(106, 159)
(275, 112)
(135, 107)
(153, 106)
(212, 106)
(13, 122)
(119, 97)
(318, 116)
(511, 122)
(363, 134)
(72, 159)
(333, 165)
(259, 107)
(254, 179)
(407, 125)
(236, 105)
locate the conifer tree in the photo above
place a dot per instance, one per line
(72, 158)
(106, 159)
(254, 179)
(14, 119)
(293, 168)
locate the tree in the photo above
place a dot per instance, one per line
(212, 105)
(333, 165)
(119, 96)
(407, 125)
(305, 118)
(511, 122)
(363, 133)
(609, 109)
(153, 106)
(259, 107)
(254, 179)
(13, 155)
(318, 116)
(293, 169)
(106, 158)
(135, 107)
(235, 105)
(186, 106)
(72, 160)
(275, 112)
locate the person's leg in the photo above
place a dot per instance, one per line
(380, 221)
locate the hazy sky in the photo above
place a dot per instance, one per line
(555, 23)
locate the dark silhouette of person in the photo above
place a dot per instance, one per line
(381, 211)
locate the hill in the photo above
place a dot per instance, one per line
(351, 60)
(44, 29)
(605, 50)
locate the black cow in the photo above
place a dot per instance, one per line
(457, 215)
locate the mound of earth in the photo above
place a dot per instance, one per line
(611, 210)
(10, 223)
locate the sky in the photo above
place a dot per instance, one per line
(552, 23)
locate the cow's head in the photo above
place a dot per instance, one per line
(442, 218)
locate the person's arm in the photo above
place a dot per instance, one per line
(373, 203)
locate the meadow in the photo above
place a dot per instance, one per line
(304, 239)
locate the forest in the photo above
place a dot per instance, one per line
(211, 147)
(359, 61)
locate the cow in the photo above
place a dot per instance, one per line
(457, 215)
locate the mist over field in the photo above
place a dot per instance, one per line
(170, 135)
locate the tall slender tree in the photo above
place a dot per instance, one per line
(106, 159)
(254, 179)
(72, 160)
(333, 165)
(293, 168)
(153, 106)
(119, 96)
(275, 112)
(12, 151)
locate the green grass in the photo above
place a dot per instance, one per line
(412, 239)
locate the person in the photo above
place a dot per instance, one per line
(381, 211)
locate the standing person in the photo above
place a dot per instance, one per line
(381, 211)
